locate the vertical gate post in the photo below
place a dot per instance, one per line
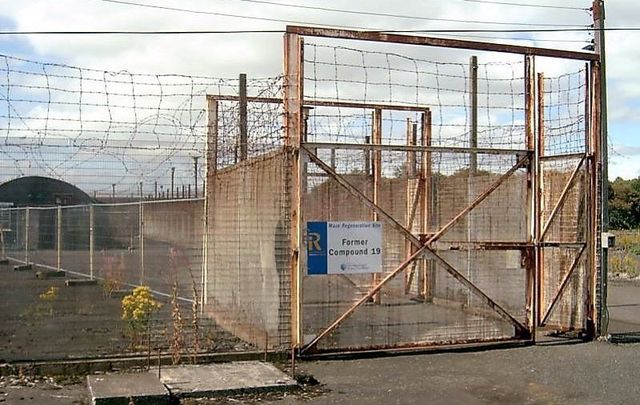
(533, 188)
(376, 138)
(426, 206)
(412, 193)
(599, 277)
(473, 159)
(602, 160)
(293, 99)
(541, 199)
(473, 96)
(59, 238)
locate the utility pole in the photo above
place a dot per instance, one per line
(598, 24)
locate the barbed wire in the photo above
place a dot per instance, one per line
(112, 130)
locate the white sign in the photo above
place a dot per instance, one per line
(344, 247)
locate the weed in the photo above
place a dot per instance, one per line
(137, 309)
(47, 299)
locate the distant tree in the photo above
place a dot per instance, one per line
(624, 203)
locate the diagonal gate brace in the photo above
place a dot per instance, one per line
(423, 248)
(563, 286)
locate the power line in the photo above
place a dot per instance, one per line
(377, 14)
(202, 12)
(505, 3)
(422, 31)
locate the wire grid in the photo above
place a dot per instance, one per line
(264, 123)
(109, 131)
(366, 75)
(86, 318)
(451, 312)
(568, 226)
(403, 316)
(565, 133)
(564, 113)
(248, 279)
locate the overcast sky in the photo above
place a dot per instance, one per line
(260, 55)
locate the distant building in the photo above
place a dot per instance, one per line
(41, 191)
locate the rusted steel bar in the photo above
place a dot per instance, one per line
(532, 194)
(563, 197)
(325, 103)
(563, 285)
(538, 143)
(242, 142)
(482, 245)
(438, 42)
(413, 205)
(595, 206)
(370, 106)
(415, 148)
(376, 137)
(411, 201)
(426, 203)
(473, 96)
(564, 156)
(561, 244)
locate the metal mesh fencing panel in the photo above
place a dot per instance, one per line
(248, 285)
(43, 236)
(565, 203)
(441, 149)
(105, 261)
(75, 247)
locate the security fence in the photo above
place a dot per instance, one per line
(387, 192)
(480, 171)
(75, 266)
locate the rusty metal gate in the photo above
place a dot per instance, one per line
(480, 169)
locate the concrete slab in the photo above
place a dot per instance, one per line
(225, 378)
(117, 389)
(73, 282)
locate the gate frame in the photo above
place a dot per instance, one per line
(294, 123)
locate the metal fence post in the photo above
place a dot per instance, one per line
(59, 238)
(91, 239)
(27, 227)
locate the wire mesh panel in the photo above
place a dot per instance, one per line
(565, 203)
(117, 255)
(438, 146)
(14, 233)
(75, 243)
(248, 283)
(111, 165)
(43, 236)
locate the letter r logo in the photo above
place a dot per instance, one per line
(313, 241)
